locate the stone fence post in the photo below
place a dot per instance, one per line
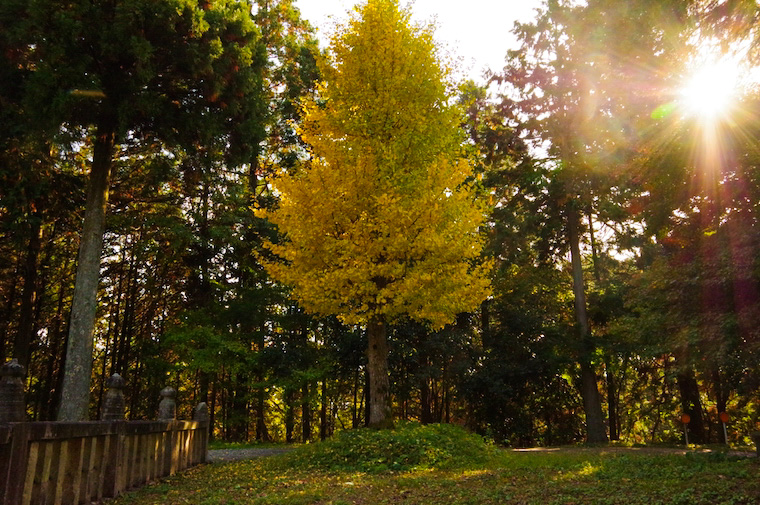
(12, 405)
(113, 406)
(200, 414)
(167, 407)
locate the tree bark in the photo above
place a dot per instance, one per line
(612, 407)
(289, 416)
(262, 433)
(78, 368)
(305, 412)
(691, 403)
(592, 404)
(426, 415)
(25, 335)
(355, 411)
(323, 428)
(380, 414)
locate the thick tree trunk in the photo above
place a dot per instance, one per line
(721, 394)
(75, 396)
(691, 404)
(592, 404)
(380, 414)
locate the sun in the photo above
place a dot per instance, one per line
(711, 89)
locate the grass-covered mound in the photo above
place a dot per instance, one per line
(409, 446)
(326, 474)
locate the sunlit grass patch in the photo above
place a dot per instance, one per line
(479, 474)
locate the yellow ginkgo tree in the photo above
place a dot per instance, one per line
(382, 222)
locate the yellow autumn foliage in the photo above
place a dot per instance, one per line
(381, 222)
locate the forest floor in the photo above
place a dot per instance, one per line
(646, 476)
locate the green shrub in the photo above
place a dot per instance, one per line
(408, 446)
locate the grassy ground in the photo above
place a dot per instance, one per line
(423, 466)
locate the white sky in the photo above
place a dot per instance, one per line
(478, 32)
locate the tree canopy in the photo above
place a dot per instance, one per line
(193, 193)
(381, 222)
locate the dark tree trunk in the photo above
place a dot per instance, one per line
(305, 413)
(262, 433)
(323, 427)
(25, 335)
(592, 404)
(691, 404)
(485, 323)
(289, 416)
(239, 416)
(612, 416)
(212, 411)
(721, 395)
(128, 319)
(426, 415)
(612, 406)
(75, 396)
(135, 390)
(7, 313)
(380, 415)
(355, 411)
(117, 317)
(366, 397)
(260, 392)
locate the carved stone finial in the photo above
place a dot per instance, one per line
(167, 407)
(201, 413)
(12, 405)
(113, 407)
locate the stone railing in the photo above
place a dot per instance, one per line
(82, 462)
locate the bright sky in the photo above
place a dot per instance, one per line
(475, 31)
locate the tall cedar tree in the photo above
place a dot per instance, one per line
(183, 71)
(582, 85)
(381, 222)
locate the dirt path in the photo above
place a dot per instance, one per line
(643, 450)
(225, 455)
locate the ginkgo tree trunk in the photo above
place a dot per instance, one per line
(382, 221)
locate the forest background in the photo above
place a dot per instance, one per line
(623, 224)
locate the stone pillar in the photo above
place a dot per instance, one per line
(200, 413)
(113, 407)
(167, 408)
(12, 405)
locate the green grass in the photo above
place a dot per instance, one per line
(445, 465)
(221, 444)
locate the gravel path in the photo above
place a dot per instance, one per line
(224, 455)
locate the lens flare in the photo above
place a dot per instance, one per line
(711, 90)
